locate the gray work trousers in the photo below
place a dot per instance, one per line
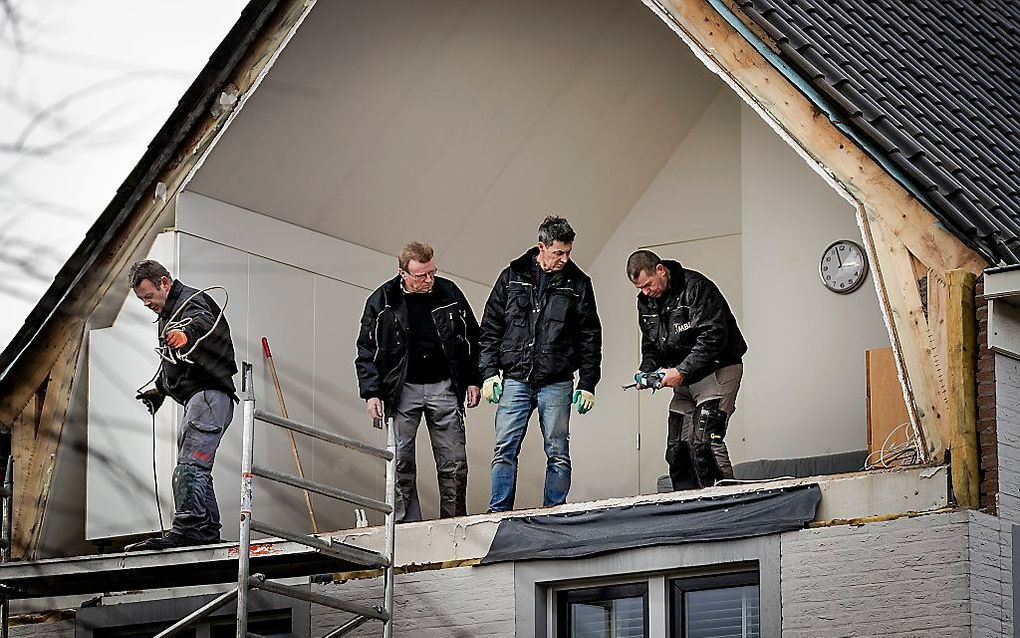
(698, 416)
(206, 417)
(444, 418)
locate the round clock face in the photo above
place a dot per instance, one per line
(843, 266)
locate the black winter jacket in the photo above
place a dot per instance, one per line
(690, 328)
(542, 341)
(213, 366)
(382, 342)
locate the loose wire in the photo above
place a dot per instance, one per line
(166, 353)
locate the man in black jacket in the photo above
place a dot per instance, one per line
(196, 371)
(540, 327)
(689, 333)
(418, 354)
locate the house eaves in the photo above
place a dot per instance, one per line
(929, 88)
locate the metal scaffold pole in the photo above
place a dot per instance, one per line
(5, 550)
(244, 541)
(391, 518)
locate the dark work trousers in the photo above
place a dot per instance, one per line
(698, 416)
(444, 418)
(206, 417)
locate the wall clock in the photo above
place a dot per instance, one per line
(843, 266)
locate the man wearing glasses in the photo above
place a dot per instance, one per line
(540, 326)
(418, 355)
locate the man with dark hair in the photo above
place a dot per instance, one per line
(196, 370)
(689, 334)
(540, 327)
(418, 354)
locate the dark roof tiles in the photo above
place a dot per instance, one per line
(930, 85)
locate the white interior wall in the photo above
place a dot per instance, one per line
(806, 387)
(694, 199)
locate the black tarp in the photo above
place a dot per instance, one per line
(715, 518)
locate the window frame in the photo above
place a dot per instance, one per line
(678, 585)
(567, 596)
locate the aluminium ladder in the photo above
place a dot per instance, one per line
(247, 581)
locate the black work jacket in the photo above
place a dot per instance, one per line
(213, 366)
(542, 340)
(382, 342)
(690, 328)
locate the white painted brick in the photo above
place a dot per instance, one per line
(462, 601)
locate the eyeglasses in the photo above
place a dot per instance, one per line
(423, 276)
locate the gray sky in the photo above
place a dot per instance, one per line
(85, 86)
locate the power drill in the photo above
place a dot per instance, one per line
(651, 380)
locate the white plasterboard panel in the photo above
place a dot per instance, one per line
(120, 497)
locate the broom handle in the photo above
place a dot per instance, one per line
(293, 443)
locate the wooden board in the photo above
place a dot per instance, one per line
(886, 408)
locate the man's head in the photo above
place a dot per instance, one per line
(555, 241)
(648, 274)
(151, 283)
(417, 267)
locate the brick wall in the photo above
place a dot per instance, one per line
(461, 601)
(986, 430)
(899, 578)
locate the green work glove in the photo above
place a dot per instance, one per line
(584, 400)
(492, 389)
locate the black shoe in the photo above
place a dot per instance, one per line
(166, 541)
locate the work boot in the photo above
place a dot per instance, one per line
(167, 541)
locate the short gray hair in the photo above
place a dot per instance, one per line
(641, 261)
(147, 269)
(555, 229)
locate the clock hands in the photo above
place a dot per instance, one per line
(838, 257)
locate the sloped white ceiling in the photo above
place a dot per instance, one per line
(462, 124)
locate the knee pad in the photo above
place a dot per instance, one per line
(712, 420)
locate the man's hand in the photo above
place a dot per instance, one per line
(673, 378)
(176, 339)
(374, 408)
(584, 401)
(151, 399)
(474, 396)
(492, 389)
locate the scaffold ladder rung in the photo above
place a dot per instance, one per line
(342, 551)
(258, 581)
(319, 488)
(329, 437)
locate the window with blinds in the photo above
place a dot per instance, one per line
(724, 606)
(619, 611)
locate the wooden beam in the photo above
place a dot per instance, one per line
(38, 447)
(961, 358)
(895, 225)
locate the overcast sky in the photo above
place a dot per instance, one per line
(85, 86)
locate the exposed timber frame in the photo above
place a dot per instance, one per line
(910, 252)
(35, 391)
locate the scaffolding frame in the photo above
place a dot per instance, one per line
(246, 581)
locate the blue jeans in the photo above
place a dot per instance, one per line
(515, 407)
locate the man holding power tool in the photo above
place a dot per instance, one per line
(689, 342)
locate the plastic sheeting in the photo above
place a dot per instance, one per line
(717, 518)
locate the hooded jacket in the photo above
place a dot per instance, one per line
(382, 358)
(542, 339)
(213, 365)
(690, 328)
